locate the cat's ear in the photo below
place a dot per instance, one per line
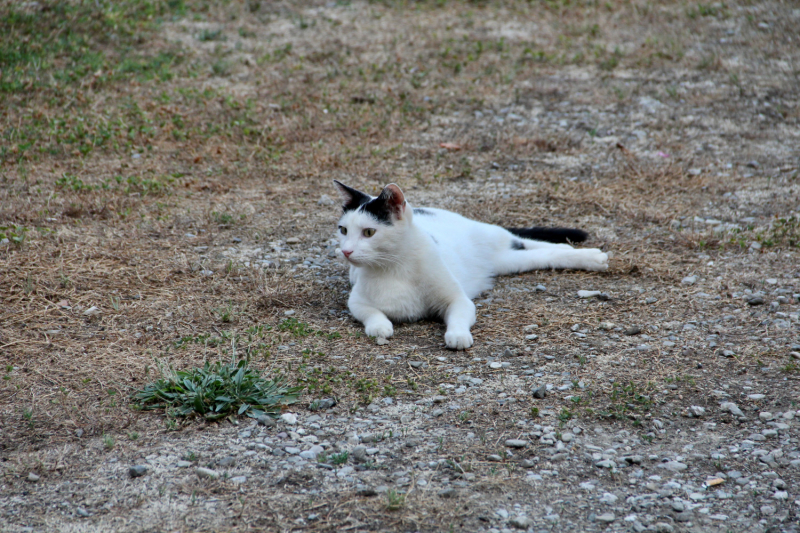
(395, 201)
(351, 198)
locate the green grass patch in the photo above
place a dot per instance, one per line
(216, 391)
(51, 43)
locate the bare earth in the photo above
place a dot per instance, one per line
(188, 216)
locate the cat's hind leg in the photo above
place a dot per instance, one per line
(516, 260)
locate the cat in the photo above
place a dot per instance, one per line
(411, 263)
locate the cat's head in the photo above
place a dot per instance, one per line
(371, 228)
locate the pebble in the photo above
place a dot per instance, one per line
(606, 518)
(206, 473)
(766, 416)
(732, 408)
(540, 392)
(289, 418)
(516, 443)
(495, 365)
(238, 480)
(673, 466)
(266, 420)
(521, 522)
(754, 299)
(756, 396)
(633, 330)
(33, 478)
(137, 470)
(689, 280)
(695, 411)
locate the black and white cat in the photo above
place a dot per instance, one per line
(410, 263)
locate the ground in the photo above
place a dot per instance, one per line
(166, 199)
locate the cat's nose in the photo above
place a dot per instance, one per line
(347, 252)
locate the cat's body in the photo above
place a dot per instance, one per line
(407, 264)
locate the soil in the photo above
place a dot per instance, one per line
(186, 214)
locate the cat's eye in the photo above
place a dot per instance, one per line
(343, 230)
(368, 232)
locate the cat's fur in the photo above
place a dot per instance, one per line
(407, 263)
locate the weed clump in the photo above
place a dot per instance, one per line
(216, 391)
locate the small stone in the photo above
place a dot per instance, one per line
(689, 280)
(662, 527)
(447, 493)
(183, 464)
(289, 418)
(606, 326)
(673, 466)
(651, 300)
(266, 420)
(206, 473)
(226, 462)
(727, 353)
(367, 492)
(732, 408)
(415, 364)
(81, 512)
(606, 518)
(540, 392)
(678, 506)
(238, 480)
(494, 458)
(695, 411)
(766, 416)
(521, 522)
(516, 443)
(633, 330)
(588, 294)
(359, 454)
(756, 396)
(33, 478)
(293, 240)
(606, 463)
(754, 299)
(608, 498)
(495, 365)
(325, 403)
(567, 436)
(684, 516)
(137, 470)
(92, 311)
(437, 412)
(781, 495)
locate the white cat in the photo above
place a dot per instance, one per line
(407, 264)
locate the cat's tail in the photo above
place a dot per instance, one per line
(555, 235)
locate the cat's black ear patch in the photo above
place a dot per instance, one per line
(517, 245)
(352, 199)
(389, 205)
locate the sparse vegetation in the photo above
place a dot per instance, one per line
(216, 391)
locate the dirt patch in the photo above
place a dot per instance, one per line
(165, 196)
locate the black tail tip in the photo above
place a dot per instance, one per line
(554, 235)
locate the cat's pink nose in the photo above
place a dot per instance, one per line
(347, 252)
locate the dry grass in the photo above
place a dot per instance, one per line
(232, 140)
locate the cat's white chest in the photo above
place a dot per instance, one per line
(398, 298)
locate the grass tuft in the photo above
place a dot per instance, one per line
(216, 391)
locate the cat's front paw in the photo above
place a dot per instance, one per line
(381, 329)
(458, 340)
(595, 259)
